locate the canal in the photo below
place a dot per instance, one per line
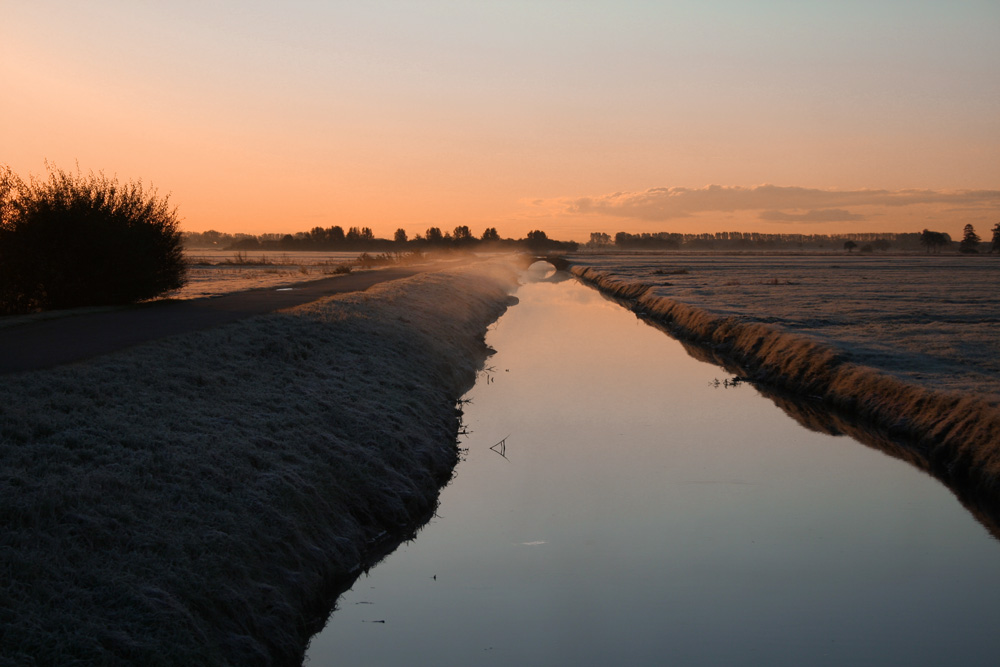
(621, 503)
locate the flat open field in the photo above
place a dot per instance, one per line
(929, 319)
(214, 272)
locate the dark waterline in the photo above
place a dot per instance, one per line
(643, 515)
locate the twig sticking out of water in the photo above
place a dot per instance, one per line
(735, 381)
(501, 447)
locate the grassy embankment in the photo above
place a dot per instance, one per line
(955, 435)
(202, 499)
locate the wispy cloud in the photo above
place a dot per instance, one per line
(777, 203)
(822, 215)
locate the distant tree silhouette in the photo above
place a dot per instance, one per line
(491, 235)
(245, 243)
(659, 240)
(537, 239)
(399, 236)
(598, 240)
(934, 241)
(996, 239)
(463, 235)
(849, 246)
(970, 240)
(434, 236)
(358, 235)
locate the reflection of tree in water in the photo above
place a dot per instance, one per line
(950, 466)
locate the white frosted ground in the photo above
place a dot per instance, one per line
(217, 272)
(186, 501)
(930, 319)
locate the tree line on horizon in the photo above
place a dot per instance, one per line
(927, 240)
(749, 240)
(936, 241)
(363, 239)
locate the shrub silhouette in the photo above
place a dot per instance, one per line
(73, 240)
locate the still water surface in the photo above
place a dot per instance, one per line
(643, 516)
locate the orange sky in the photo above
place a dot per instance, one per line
(809, 117)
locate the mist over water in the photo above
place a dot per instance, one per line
(637, 513)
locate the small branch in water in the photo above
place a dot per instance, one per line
(501, 447)
(735, 381)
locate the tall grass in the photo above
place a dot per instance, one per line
(958, 431)
(976, 493)
(73, 240)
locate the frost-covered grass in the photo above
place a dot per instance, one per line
(216, 272)
(192, 500)
(953, 427)
(932, 319)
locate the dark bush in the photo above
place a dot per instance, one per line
(73, 240)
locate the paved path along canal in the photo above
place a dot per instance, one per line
(45, 343)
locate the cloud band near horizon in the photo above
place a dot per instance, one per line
(776, 203)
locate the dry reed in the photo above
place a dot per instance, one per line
(960, 432)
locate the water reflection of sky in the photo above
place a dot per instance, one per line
(643, 516)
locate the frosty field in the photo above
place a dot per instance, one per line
(927, 319)
(214, 272)
(199, 499)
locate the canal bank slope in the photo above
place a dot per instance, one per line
(954, 431)
(197, 499)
